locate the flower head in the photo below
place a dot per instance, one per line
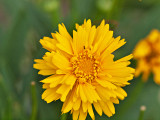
(82, 72)
(147, 53)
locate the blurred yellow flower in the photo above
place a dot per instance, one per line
(147, 53)
(82, 70)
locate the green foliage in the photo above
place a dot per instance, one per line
(24, 22)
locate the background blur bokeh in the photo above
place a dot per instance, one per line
(24, 22)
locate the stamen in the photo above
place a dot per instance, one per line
(85, 67)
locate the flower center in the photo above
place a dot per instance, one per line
(85, 67)
(153, 57)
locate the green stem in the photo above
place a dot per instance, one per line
(142, 110)
(64, 116)
(34, 101)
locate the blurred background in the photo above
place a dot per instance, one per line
(24, 22)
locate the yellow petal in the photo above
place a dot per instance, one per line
(45, 86)
(82, 115)
(114, 100)
(121, 73)
(64, 44)
(105, 109)
(82, 94)
(105, 83)
(91, 36)
(88, 94)
(117, 65)
(52, 97)
(120, 81)
(68, 103)
(45, 65)
(46, 72)
(90, 111)
(103, 40)
(108, 58)
(70, 80)
(53, 78)
(144, 67)
(156, 74)
(80, 39)
(142, 49)
(126, 58)
(84, 106)
(123, 92)
(153, 36)
(63, 31)
(77, 104)
(87, 24)
(119, 95)
(48, 92)
(92, 93)
(57, 60)
(63, 90)
(48, 43)
(97, 108)
(115, 44)
(111, 106)
(106, 94)
(75, 114)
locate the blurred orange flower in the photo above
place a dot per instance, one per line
(147, 53)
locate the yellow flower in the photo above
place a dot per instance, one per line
(147, 53)
(82, 70)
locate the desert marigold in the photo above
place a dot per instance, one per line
(147, 53)
(82, 71)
